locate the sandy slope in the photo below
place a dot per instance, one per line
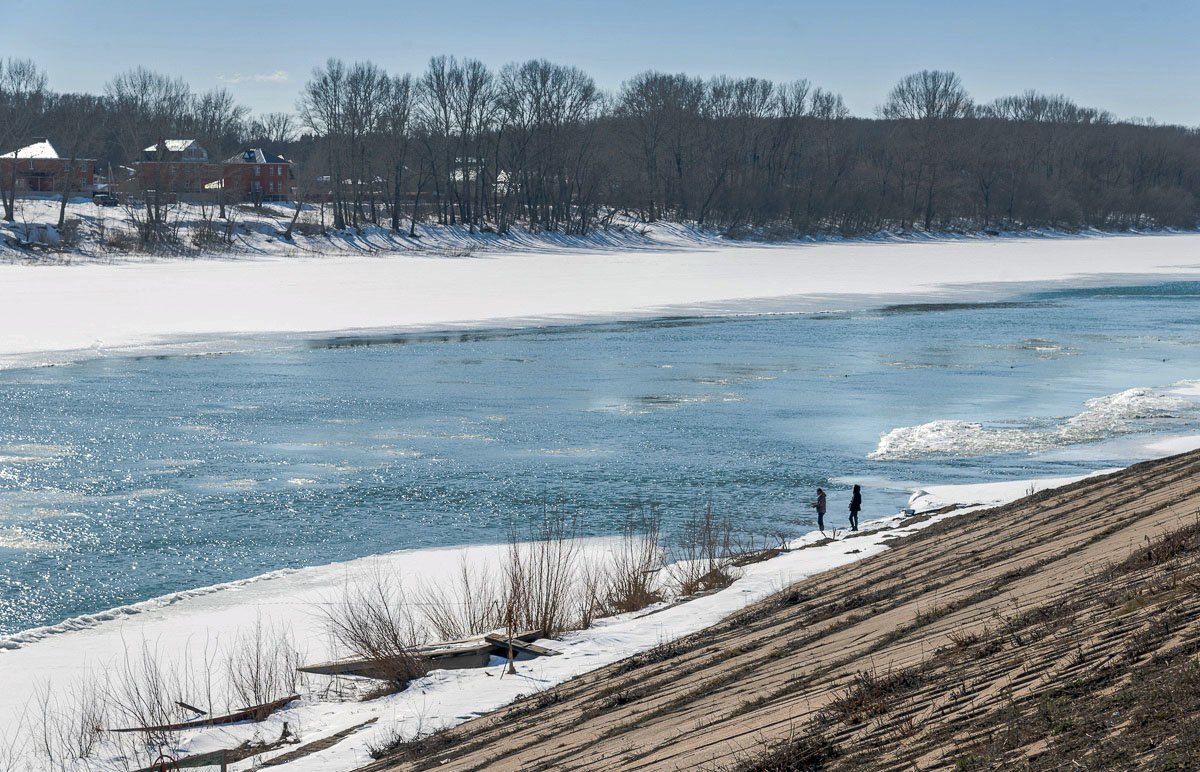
(96, 308)
(998, 636)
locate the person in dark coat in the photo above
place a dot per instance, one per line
(819, 505)
(855, 506)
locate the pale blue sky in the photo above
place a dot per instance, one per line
(1136, 58)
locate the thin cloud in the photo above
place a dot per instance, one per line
(279, 76)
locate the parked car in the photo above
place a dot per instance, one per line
(105, 198)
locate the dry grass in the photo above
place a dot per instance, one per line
(1181, 542)
(805, 753)
(871, 694)
(261, 665)
(997, 649)
(409, 749)
(630, 580)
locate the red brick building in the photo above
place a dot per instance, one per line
(40, 169)
(176, 166)
(258, 176)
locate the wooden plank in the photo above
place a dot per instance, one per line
(460, 658)
(192, 708)
(519, 645)
(252, 713)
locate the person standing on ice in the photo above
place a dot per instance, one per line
(855, 506)
(819, 505)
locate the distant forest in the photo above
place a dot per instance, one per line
(540, 145)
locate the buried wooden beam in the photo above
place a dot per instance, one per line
(252, 713)
(384, 668)
(316, 745)
(225, 756)
(440, 656)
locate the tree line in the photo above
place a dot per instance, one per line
(538, 144)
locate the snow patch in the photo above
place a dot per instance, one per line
(1108, 416)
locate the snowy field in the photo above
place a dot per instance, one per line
(448, 279)
(189, 626)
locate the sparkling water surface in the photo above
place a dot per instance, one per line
(123, 479)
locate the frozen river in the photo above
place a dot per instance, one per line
(127, 478)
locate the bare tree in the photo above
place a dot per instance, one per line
(78, 124)
(274, 130)
(926, 96)
(149, 108)
(22, 93)
(218, 123)
(396, 133)
(537, 144)
(548, 115)
(322, 109)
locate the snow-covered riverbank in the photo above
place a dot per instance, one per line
(61, 313)
(190, 625)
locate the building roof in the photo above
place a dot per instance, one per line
(256, 155)
(173, 145)
(40, 149)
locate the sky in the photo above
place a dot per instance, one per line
(1136, 58)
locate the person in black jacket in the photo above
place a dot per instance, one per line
(819, 505)
(855, 506)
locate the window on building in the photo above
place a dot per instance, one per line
(257, 170)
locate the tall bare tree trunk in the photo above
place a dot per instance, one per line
(68, 186)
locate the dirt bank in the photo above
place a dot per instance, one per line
(1061, 628)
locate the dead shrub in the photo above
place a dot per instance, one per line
(122, 240)
(540, 575)
(210, 236)
(13, 743)
(261, 665)
(703, 554)
(70, 232)
(371, 620)
(589, 591)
